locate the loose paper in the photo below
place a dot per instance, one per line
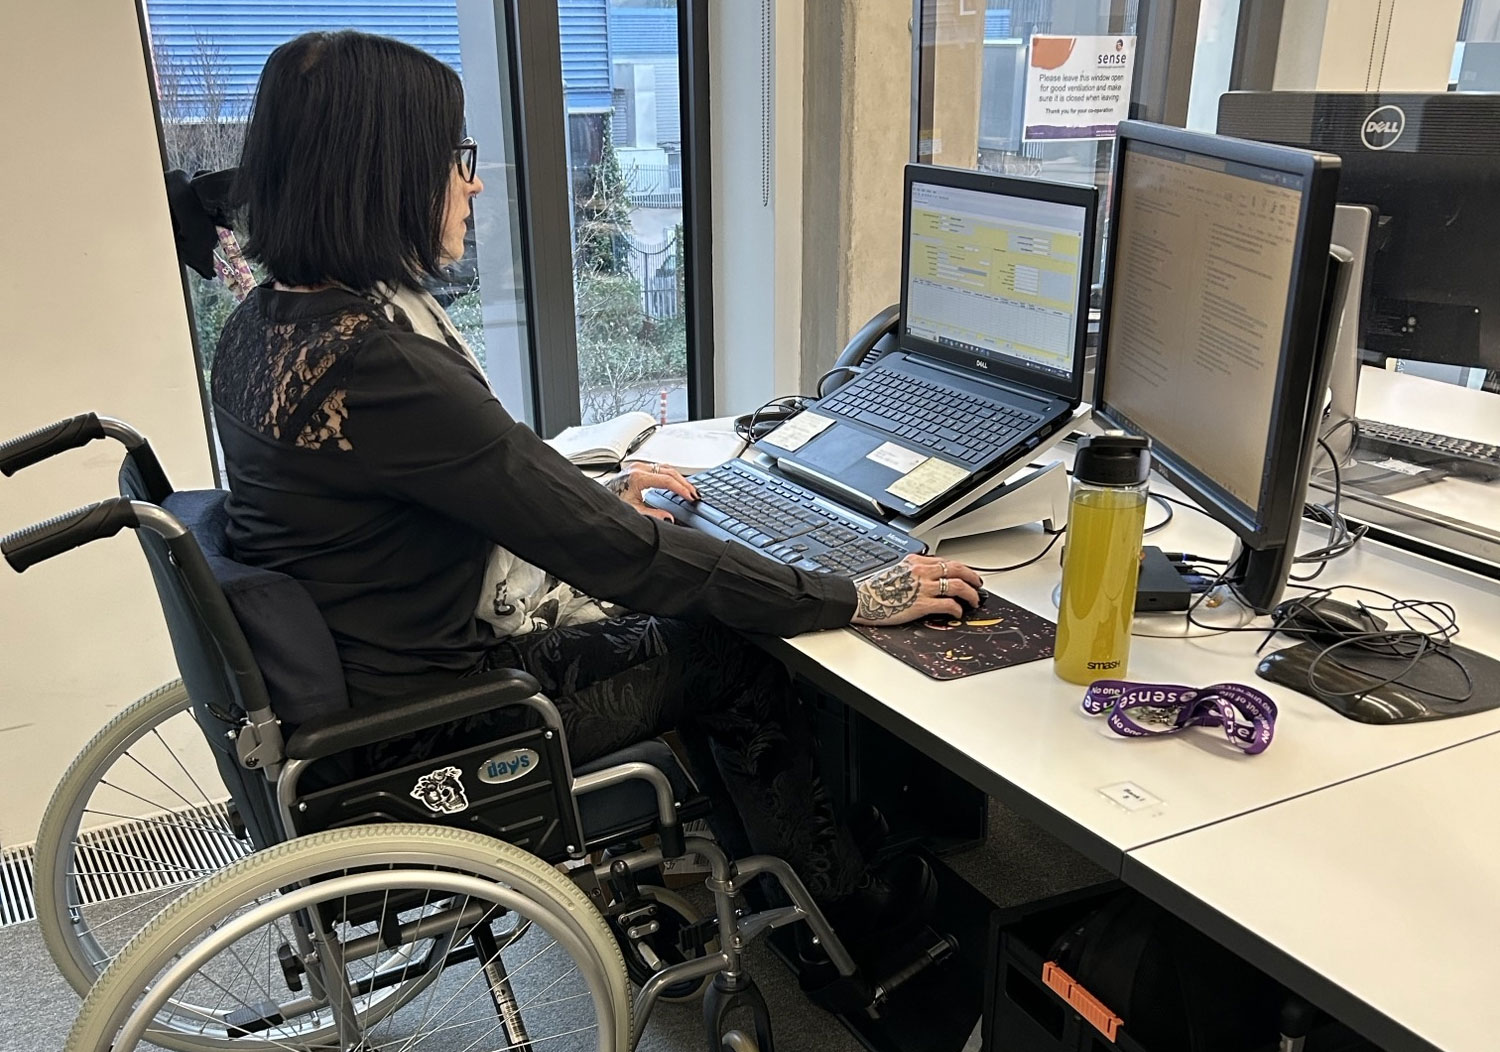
(1402, 466)
(928, 479)
(799, 430)
(1077, 87)
(894, 456)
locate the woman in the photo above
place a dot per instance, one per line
(370, 460)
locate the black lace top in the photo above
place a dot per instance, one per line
(376, 466)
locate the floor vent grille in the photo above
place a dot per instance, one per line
(17, 886)
(129, 858)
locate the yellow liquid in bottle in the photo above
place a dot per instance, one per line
(1101, 567)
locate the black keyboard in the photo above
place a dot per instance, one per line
(1459, 455)
(785, 521)
(957, 424)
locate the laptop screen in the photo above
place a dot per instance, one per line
(996, 275)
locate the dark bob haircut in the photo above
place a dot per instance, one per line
(347, 160)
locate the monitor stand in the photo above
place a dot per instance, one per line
(1351, 231)
(1034, 494)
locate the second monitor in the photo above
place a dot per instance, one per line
(1211, 341)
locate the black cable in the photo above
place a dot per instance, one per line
(754, 426)
(1018, 566)
(1167, 507)
(1341, 536)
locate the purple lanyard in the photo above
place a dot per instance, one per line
(1144, 710)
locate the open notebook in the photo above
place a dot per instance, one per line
(606, 444)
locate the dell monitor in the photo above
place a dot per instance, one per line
(1428, 166)
(1212, 341)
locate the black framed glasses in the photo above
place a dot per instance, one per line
(466, 156)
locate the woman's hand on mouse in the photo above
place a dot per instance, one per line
(631, 484)
(918, 586)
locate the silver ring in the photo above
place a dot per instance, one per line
(942, 586)
(942, 568)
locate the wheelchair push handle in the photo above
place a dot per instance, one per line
(33, 544)
(36, 446)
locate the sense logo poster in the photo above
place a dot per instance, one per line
(1077, 87)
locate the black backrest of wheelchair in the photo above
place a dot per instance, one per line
(142, 476)
(244, 639)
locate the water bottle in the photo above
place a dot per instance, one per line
(1102, 560)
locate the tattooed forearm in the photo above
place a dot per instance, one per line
(619, 484)
(887, 594)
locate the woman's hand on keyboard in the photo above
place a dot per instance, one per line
(631, 483)
(918, 586)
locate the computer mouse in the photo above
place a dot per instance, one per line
(1324, 620)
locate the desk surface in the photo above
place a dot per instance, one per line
(1019, 732)
(1445, 409)
(1384, 887)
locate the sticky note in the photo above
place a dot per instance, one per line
(894, 456)
(928, 479)
(799, 430)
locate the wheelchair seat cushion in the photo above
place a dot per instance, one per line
(631, 805)
(283, 627)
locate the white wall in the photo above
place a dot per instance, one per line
(94, 320)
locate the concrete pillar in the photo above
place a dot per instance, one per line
(956, 55)
(856, 138)
(1354, 45)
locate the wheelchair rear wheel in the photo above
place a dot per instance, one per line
(311, 943)
(141, 814)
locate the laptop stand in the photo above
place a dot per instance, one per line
(1034, 494)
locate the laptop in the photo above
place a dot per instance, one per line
(994, 315)
(995, 279)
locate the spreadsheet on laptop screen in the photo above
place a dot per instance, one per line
(995, 274)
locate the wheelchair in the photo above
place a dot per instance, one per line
(142, 812)
(419, 904)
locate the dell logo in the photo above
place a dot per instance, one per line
(980, 363)
(1383, 127)
(508, 766)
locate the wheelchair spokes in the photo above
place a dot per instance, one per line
(141, 814)
(381, 945)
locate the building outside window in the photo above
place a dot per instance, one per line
(621, 104)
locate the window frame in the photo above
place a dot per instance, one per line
(530, 37)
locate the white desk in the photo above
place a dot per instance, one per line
(1383, 892)
(1019, 734)
(1445, 409)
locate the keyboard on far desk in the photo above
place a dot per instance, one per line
(1460, 456)
(785, 522)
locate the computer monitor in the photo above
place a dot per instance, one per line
(1214, 326)
(1428, 165)
(996, 275)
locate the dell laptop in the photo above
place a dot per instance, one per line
(995, 279)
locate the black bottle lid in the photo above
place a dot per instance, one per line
(1112, 459)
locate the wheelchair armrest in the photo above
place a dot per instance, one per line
(327, 735)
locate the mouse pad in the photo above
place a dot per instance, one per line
(1352, 686)
(997, 635)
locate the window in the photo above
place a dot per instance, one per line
(1033, 87)
(206, 64)
(1476, 57)
(589, 221)
(622, 78)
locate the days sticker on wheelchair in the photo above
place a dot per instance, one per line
(442, 791)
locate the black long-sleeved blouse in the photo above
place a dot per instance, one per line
(376, 467)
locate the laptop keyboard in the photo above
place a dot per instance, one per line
(785, 521)
(922, 413)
